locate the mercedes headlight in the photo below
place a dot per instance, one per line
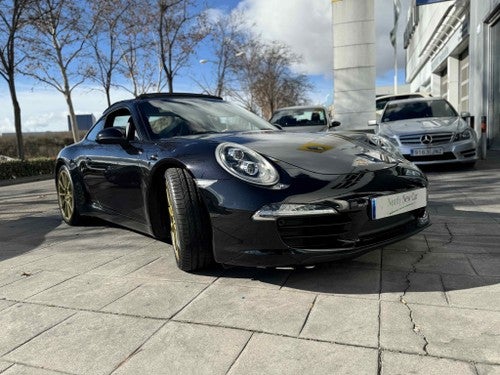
(246, 164)
(466, 134)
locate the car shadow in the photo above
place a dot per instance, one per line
(24, 234)
(29, 233)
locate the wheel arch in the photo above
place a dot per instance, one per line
(157, 199)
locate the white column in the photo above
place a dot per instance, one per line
(354, 62)
(435, 85)
(453, 81)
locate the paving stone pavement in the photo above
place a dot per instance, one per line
(99, 299)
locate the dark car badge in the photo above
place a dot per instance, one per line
(426, 139)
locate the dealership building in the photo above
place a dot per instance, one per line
(453, 51)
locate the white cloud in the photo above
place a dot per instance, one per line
(44, 109)
(306, 26)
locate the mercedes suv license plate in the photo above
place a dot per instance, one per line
(394, 204)
(427, 151)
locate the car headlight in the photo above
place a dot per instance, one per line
(466, 134)
(388, 144)
(246, 164)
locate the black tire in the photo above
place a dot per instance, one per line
(189, 222)
(69, 196)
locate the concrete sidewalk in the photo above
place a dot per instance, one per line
(101, 300)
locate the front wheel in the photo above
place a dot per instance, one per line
(69, 196)
(189, 222)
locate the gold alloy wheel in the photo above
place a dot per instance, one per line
(173, 226)
(65, 194)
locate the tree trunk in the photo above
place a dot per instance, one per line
(170, 80)
(108, 96)
(72, 117)
(17, 118)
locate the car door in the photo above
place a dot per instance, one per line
(113, 173)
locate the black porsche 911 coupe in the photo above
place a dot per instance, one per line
(225, 186)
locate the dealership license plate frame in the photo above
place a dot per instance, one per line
(431, 151)
(395, 204)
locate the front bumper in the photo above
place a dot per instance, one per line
(451, 152)
(239, 238)
(274, 244)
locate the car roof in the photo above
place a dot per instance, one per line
(160, 95)
(300, 107)
(165, 95)
(396, 96)
(415, 100)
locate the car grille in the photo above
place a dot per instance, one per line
(416, 139)
(445, 156)
(336, 231)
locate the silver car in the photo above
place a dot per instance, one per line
(303, 119)
(428, 131)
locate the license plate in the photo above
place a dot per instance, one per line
(394, 204)
(427, 151)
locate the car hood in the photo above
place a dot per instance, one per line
(424, 125)
(322, 153)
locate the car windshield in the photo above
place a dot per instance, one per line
(299, 117)
(407, 110)
(381, 102)
(170, 117)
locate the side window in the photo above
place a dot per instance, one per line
(92, 134)
(120, 119)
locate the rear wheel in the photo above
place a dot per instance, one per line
(69, 196)
(189, 221)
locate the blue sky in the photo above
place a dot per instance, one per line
(304, 25)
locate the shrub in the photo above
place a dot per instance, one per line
(13, 169)
(36, 144)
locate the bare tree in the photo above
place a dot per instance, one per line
(140, 64)
(109, 18)
(56, 46)
(267, 80)
(13, 17)
(227, 37)
(179, 31)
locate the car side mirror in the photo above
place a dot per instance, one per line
(465, 114)
(334, 124)
(111, 136)
(372, 123)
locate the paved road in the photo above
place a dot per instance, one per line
(102, 300)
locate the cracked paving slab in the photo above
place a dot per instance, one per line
(463, 244)
(423, 288)
(463, 334)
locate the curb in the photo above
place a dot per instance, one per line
(23, 180)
